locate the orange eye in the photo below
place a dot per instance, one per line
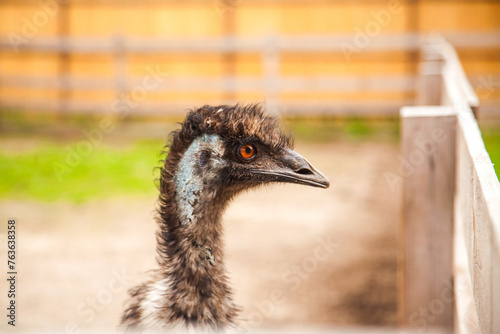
(247, 151)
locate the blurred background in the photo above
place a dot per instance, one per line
(89, 91)
(333, 57)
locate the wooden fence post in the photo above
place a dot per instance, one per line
(271, 67)
(428, 168)
(430, 80)
(120, 69)
(64, 64)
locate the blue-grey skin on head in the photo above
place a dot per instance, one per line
(190, 183)
(209, 163)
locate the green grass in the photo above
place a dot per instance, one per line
(50, 173)
(491, 139)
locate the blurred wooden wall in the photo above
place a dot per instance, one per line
(473, 25)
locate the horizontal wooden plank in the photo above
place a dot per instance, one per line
(374, 83)
(221, 84)
(427, 111)
(310, 43)
(341, 108)
(335, 107)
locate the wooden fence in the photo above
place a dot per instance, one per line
(271, 85)
(450, 236)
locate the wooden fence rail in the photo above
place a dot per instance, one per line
(450, 237)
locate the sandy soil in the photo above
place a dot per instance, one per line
(296, 255)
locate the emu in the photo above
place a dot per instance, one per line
(217, 153)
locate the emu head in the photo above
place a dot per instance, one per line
(220, 151)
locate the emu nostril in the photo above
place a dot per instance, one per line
(304, 171)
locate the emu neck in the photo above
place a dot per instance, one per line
(199, 203)
(192, 239)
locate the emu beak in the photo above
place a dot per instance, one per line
(294, 168)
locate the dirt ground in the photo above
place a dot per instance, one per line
(296, 255)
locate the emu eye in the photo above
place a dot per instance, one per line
(248, 151)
